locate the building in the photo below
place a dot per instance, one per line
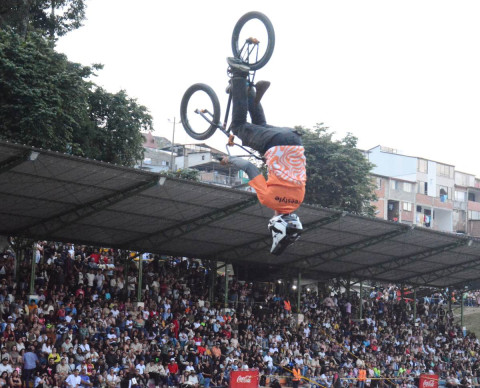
(160, 156)
(156, 157)
(206, 159)
(424, 192)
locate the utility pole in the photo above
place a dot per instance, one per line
(173, 142)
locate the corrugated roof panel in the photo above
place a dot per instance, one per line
(76, 200)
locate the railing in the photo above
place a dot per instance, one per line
(220, 179)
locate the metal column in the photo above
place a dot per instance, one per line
(360, 310)
(348, 287)
(226, 285)
(461, 310)
(213, 274)
(140, 277)
(299, 291)
(414, 306)
(32, 273)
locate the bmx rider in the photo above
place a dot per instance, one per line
(283, 152)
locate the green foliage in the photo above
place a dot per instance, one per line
(337, 172)
(49, 17)
(185, 173)
(118, 121)
(48, 102)
(43, 96)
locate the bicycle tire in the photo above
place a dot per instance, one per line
(271, 38)
(184, 106)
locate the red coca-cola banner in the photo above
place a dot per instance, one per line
(244, 379)
(428, 381)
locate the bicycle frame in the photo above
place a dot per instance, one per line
(223, 127)
(247, 51)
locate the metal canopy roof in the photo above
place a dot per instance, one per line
(52, 196)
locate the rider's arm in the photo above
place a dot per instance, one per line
(251, 170)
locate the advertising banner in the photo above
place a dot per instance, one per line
(428, 381)
(244, 379)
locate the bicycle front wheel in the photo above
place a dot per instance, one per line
(253, 39)
(200, 111)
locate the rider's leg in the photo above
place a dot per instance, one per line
(258, 137)
(240, 103)
(255, 109)
(252, 135)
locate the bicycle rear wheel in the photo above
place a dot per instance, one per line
(254, 52)
(200, 111)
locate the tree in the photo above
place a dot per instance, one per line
(50, 17)
(118, 121)
(49, 102)
(337, 172)
(43, 96)
(185, 173)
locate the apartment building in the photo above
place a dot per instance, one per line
(424, 192)
(160, 156)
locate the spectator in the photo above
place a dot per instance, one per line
(73, 380)
(15, 380)
(30, 362)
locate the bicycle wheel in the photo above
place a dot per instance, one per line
(253, 39)
(200, 111)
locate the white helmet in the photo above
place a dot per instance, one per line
(286, 229)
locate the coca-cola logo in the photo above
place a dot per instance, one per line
(244, 379)
(429, 383)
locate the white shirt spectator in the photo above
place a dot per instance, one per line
(5, 367)
(73, 380)
(140, 368)
(268, 360)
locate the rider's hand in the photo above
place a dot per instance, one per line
(224, 161)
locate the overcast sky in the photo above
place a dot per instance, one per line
(403, 74)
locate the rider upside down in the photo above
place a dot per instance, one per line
(282, 148)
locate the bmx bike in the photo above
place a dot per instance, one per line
(201, 123)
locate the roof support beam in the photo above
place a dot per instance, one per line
(344, 250)
(189, 226)
(15, 161)
(241, 251)
(399, 262)
(449, 270)
(59, 221)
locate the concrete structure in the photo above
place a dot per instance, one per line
(159, 155)
(426, 193)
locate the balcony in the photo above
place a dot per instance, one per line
(220, 179)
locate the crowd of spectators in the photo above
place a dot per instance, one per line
(87, 329)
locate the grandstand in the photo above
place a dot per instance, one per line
(56, 197)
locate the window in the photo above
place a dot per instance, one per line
(422, 165)
(422, 187)
(444, 192)
(473, 215)
(407, 206)
(444, 170)
(460, 196)
(471, 197)
(394, 184)
(407, 187)
(378, 182)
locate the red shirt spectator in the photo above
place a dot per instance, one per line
(173, 367)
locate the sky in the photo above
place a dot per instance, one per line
(402, 74)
